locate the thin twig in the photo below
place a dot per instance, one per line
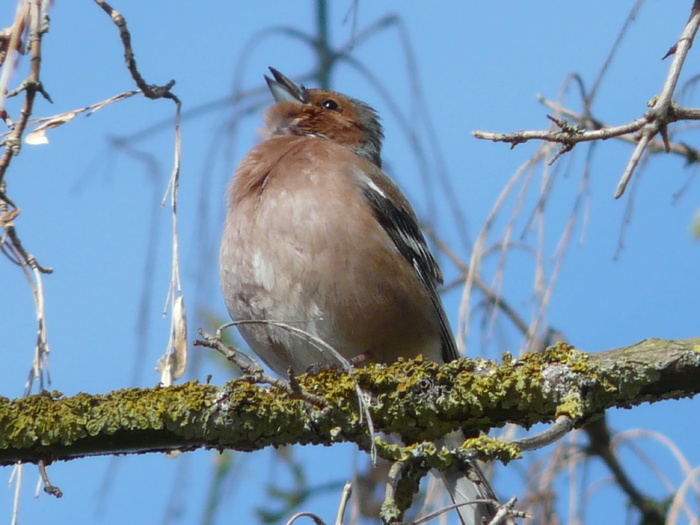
(30, 87)
(344, 499)
(491, 296)
(655, 121)
(590, 95)
(691, 155)
(177, 341)
(600, 444)
(661, 114)
(325, 349)
(568, 136)
(31, 20)
(558, 430)
(251, 369)
(50, 489)
(45, 123)
(316, 519)
(149, 90)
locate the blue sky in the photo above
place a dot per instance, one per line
(88, 207)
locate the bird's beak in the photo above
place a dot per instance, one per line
(284, 90)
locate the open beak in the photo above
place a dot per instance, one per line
(284, 90)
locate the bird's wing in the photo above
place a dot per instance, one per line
(398, 219)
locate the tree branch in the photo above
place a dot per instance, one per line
(420, 401)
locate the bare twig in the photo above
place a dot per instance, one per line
(491, 296)
(344, 499)
(42, 124)
(600, 445)
(16, 478)
(313, 517)
(558, 430)
(654, 122)
(680, 495)
(327, 349)
(629, 437)
(30, 19)
(691, 155)
(507, 510)
(30, 86)
(49, 488)
(149, 90)
(177, 342)
(252, 370)
(659, 116)
(590, 95)
(568, 135)
(523, 173)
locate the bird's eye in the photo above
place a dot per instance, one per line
(330, 105)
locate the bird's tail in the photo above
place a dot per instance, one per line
(468, 488)
(465, 491)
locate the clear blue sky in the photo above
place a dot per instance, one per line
(88, 207)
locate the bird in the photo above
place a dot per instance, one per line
(318, 238)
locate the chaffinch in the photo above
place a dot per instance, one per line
(318, 237)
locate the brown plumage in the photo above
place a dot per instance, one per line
(318, 237)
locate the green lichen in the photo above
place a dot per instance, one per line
(417, 400)
(491, 449)
(571, 406)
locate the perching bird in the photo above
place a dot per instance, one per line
(319, 238)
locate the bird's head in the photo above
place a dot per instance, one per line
(321, 113)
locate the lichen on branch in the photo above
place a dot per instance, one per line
(420, 401)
